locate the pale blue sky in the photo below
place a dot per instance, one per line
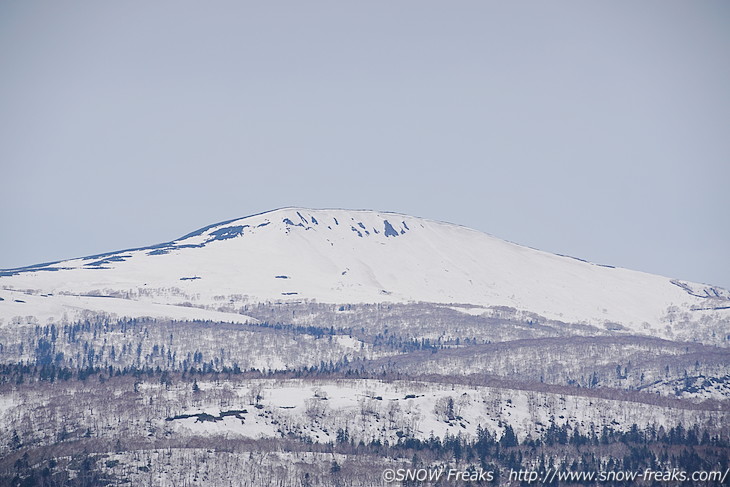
(595, 129)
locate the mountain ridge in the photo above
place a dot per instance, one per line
(351, 256)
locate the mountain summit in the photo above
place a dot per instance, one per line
(357, 256)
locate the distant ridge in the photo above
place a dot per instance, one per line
(360, 256)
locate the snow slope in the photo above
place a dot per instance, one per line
(348, 256)
(40, 309)
(371, 409)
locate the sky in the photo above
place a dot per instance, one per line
(594, 129)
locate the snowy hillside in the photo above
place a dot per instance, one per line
(343, 256)
(334, 344)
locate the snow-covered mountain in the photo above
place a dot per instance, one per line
(356, 256)
(381, 339)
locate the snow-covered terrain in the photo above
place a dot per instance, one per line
(361, 339)
(344, 256)
(377, 410)
(47, 307)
